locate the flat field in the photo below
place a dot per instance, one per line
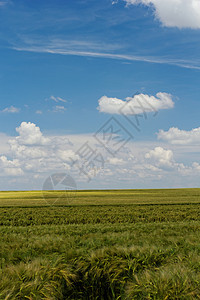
(114, 244)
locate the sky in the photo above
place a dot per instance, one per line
(105, 91)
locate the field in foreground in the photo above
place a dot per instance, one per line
(125, 244)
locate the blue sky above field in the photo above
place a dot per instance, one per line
(68, 68)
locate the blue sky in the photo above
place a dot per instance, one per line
(60, 58)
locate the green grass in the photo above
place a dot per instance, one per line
(125, 244)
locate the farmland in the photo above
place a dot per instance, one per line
(115, 244)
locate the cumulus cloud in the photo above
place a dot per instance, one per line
(161, 157)
(22, 151)
(34, 153)
(137, 104)
(11, 109)
(35, 156)
(30, 134)
(67, 155)
(8, 163)
(174, 13)
(10, 167)
(162, 160)
(180, 137)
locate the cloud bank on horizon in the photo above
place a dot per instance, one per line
(33, 155)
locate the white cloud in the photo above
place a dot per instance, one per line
(33, 153)
(39, 112)
(174, 13)
(180, 137)
(115, 161)
(62, 48)
(14, 171)
(30, 134)
(11, 109)
(34, 159)
(4, 147)
(58, 108)
(10, 167)
(22, 151)
(196, 166)
(67, 155)
(135, 105)
(8, 163)
(58, 99)
(161, 157)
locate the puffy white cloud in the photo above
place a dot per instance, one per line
(67, 155)
(10, 167)
(162, 161)
(23, 151)
(30, 134)
(33, 153)
(180, 137)
(8, 163)
(12, 109)
(174, 13)
(161, 157)
(36, 161)
(137, 104)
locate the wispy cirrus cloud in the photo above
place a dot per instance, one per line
(3, 3)
(11, 109)
(59, 109)
(56, 108)
(57, 99)
(89, 49)
(53, 43)
(38, 112)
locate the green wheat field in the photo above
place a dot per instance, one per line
(114, 244)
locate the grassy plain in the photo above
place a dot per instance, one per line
(116, 244)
